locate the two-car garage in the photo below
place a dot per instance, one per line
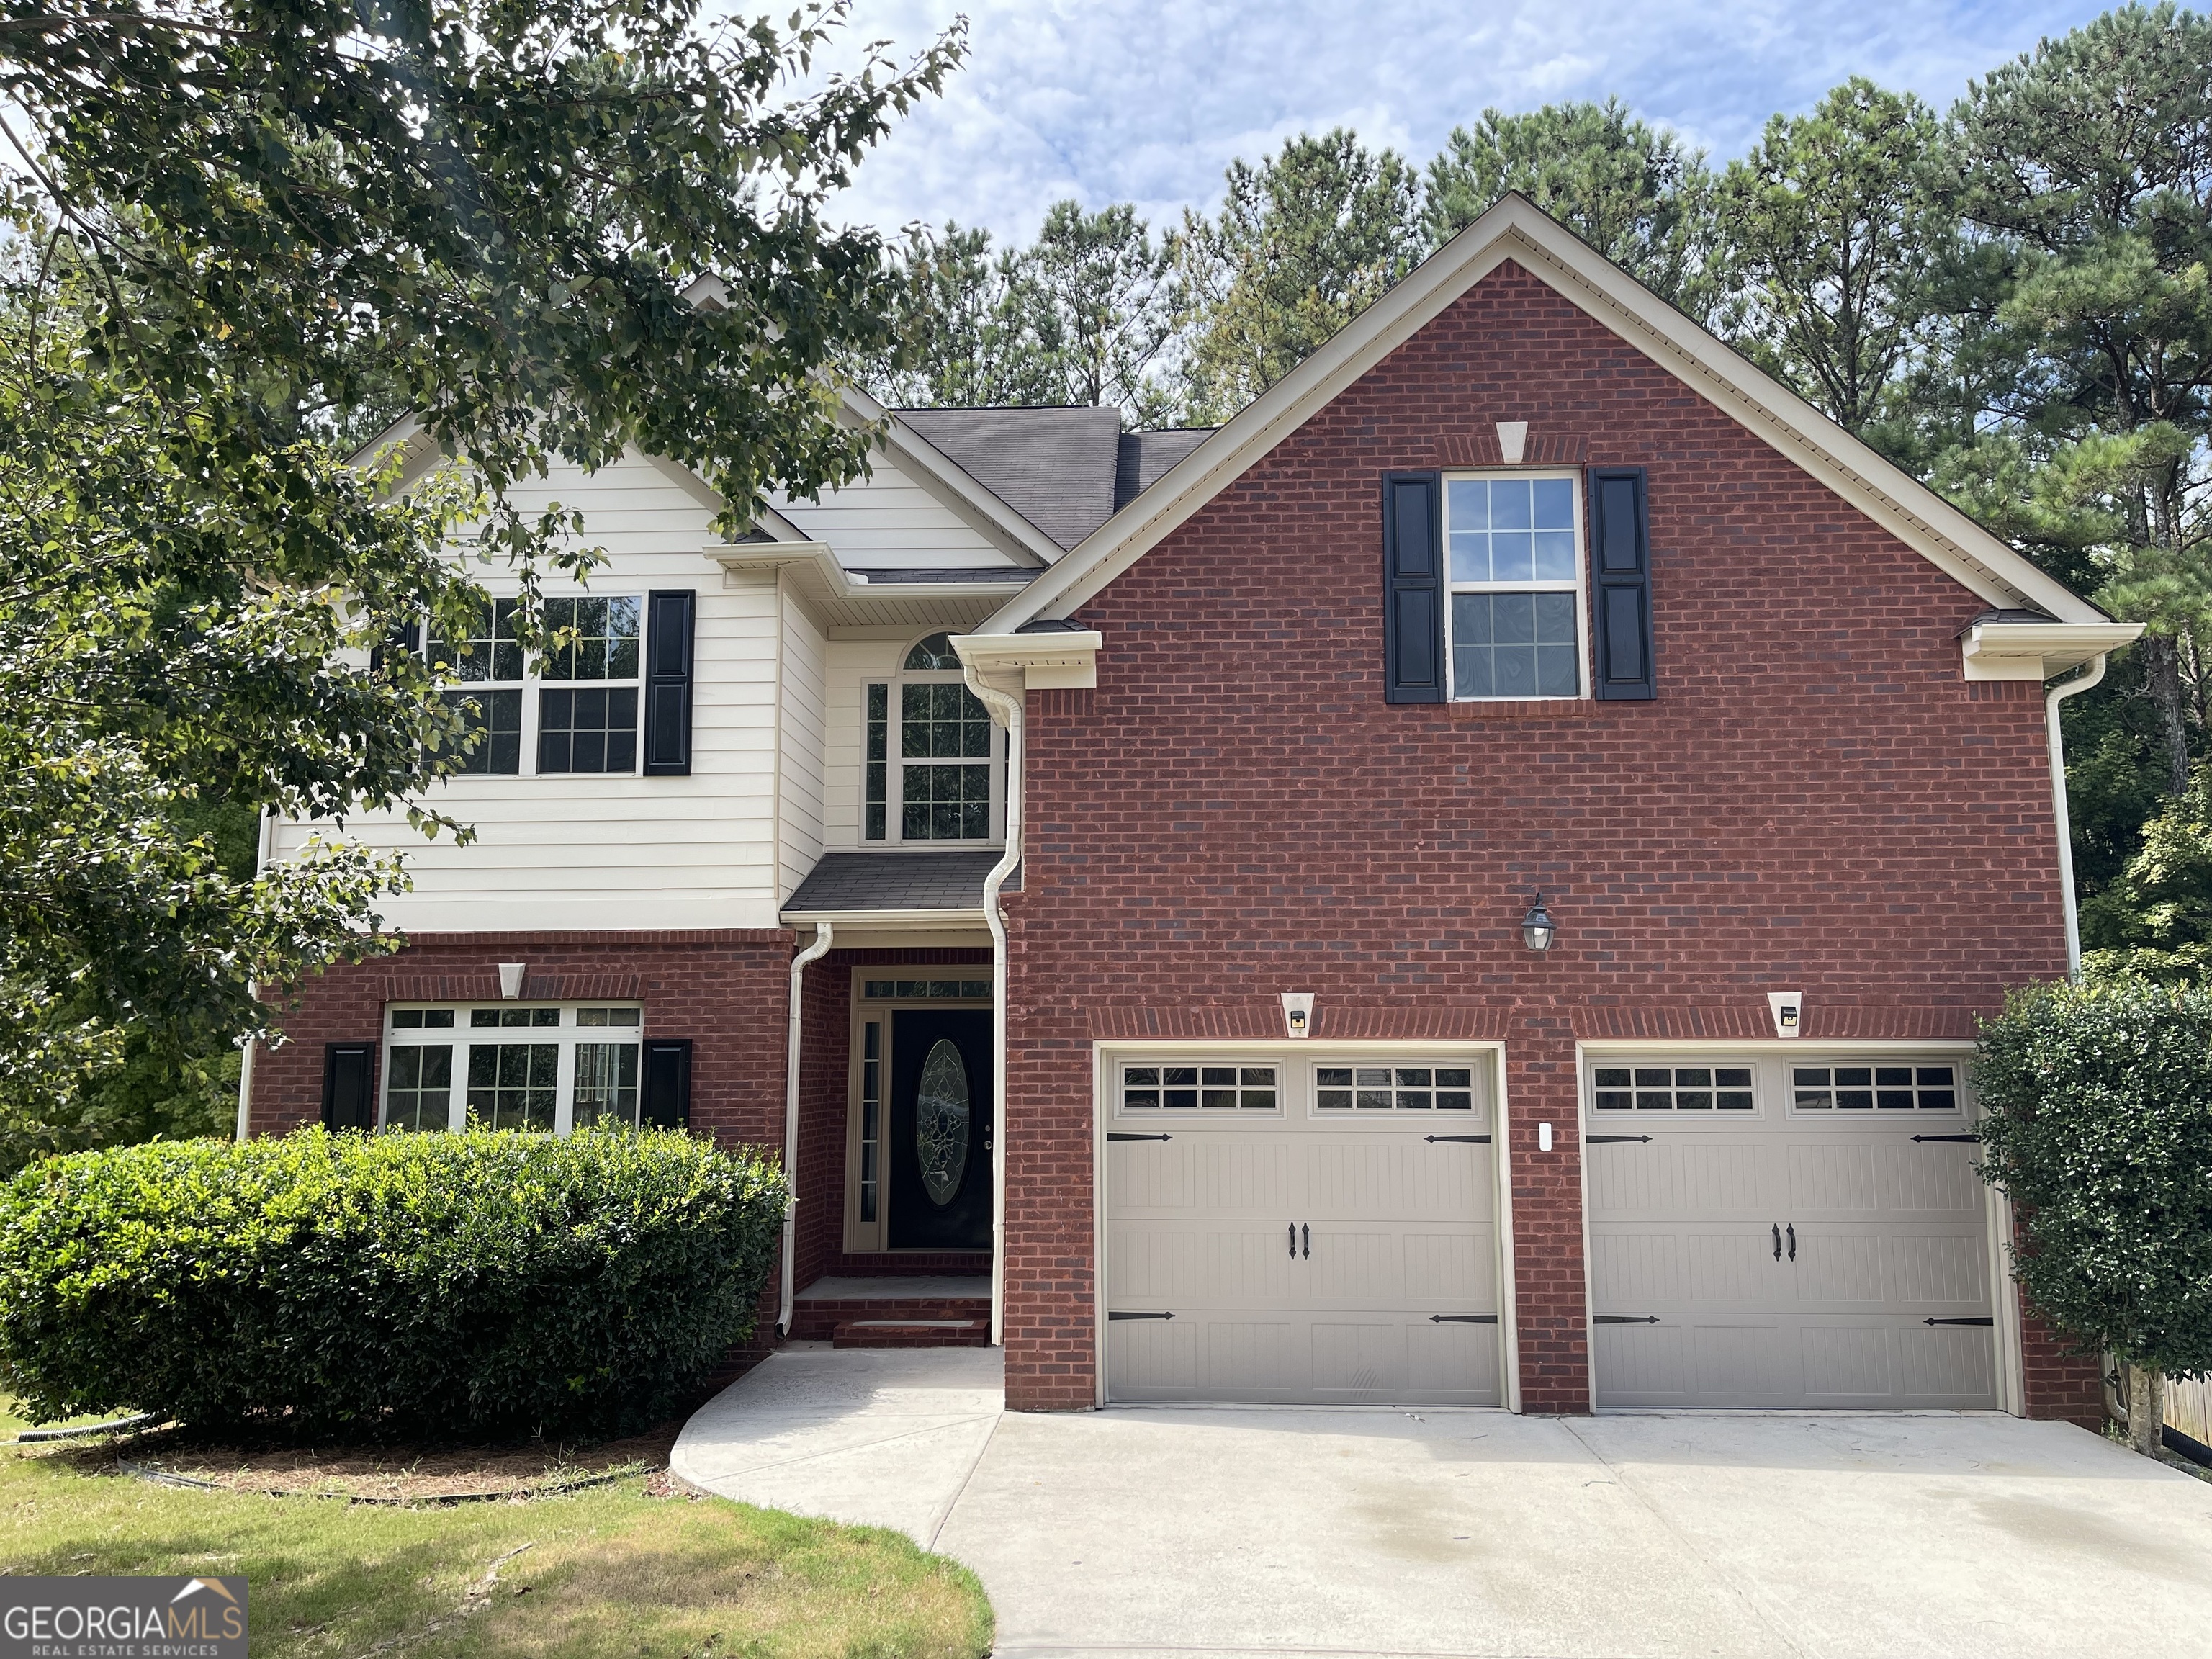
(1764, 1229)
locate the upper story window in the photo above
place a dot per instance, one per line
(574, 711)
(932, 753)
(1515, 622)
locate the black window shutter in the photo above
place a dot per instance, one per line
(666, 1101)
(1621, 583)
(668, 683)
(405, 636)
(1413, 587)
(350, 1085)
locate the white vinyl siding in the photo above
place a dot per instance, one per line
(798, 800)
(887, 520)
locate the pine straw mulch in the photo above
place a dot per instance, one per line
(396, 1474)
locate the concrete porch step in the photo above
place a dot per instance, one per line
(913, 1333)
(822, 1307)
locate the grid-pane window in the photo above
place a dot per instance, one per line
(929, 752)
(1199, 1088)
(1875, 1088)
(606, 1084)
(879, 757)
(1394, 1088)
(1673, 1088)
(513, 1085)
(915, 990)
(871, 1115)
(1514, 564)
(575, 710)
(420, 1092)
(541, 1067)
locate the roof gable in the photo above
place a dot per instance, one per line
(1515, 229)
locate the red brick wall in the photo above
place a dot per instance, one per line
(1815, 801)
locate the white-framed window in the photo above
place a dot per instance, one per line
(1203, 1085)
(1391, 1087)
(1899, 1088)
(932, 767)
(1516, 614)
(575, 710)
(549, 1066)
(1667, 1088)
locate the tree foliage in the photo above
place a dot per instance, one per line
(1304, 242)
(1633, 192)
(250, 231)
(2096, 1120)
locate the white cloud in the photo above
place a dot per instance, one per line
(1147, 100)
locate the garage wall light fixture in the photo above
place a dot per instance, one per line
(1537, 927)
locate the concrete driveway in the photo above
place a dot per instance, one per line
(1371, 1532)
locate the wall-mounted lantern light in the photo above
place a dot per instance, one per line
(1537, 927)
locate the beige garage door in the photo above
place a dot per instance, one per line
(1772, 1234)
(1301, 1230)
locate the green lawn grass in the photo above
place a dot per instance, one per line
(610, 1572)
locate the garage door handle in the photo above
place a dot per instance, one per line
(1793, 1240)
(1608, 1140)
(1463, 1319)
(1293, 1230)
(1624, 1319)
(1483, 1140)
(1946, 1138)
(1778, 1242)
(1986, 1319)
(1114, 1137)
(1306, 1232)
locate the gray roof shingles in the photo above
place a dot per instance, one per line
(896, 881)
(1067, 470)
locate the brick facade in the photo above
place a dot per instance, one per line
(1816, 801)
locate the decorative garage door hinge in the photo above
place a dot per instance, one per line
(1607, 1140)
(1140, 1315)
(1463, 1319)
(1482, 1141)
(1975, 1138)
(1122, 1137)
(1983, 1319)
(1624, 1319)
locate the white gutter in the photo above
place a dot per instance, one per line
(2057, 695)
(823, 933)
(1007, 711)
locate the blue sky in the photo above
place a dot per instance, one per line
(1146, 101)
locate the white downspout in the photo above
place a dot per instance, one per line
(1007, 711)
(823, 933)
(2059, 813)
(261, 834)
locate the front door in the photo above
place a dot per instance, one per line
(940, 1155)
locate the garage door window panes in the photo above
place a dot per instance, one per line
(1673, 1088)
(1875, 1088)
(1198, 1088)
(1394, 1088)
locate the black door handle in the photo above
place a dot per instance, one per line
(1777, 1244)
(1293, 1230)
(1307, 1233)
(1793, 1240)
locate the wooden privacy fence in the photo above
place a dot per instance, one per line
(2189, 1407)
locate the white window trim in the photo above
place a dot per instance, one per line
(1580, 584)
(460, 1036)
(895, 764)
(532, 686)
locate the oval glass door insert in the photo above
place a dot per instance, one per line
(940, 1122)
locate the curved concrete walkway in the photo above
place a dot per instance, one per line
(1243, 1532)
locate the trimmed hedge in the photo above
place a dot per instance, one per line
(435, 1285)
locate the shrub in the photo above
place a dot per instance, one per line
(383, 1286)
(2097, 1119)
